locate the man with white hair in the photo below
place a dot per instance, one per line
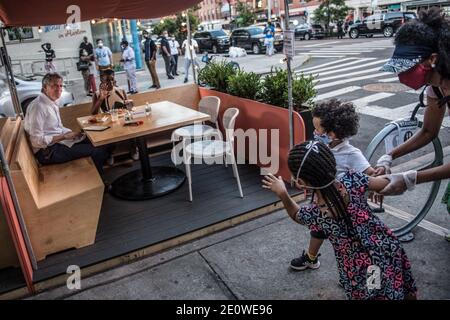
(51, 141)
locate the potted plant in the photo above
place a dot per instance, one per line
(245, 85)
(274, 91)
(215, 75)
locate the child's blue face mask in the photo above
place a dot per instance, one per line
(322, 138)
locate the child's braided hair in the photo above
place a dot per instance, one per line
(319, 169)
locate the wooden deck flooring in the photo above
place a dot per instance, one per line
(126, 226)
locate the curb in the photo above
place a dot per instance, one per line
(293, 67)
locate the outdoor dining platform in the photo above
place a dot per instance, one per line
(128, 230)
(126, 227)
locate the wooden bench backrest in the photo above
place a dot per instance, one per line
(9, 129)
(23, 160)
(70, 114)
(185, 95)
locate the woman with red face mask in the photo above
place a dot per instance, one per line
(421, 57)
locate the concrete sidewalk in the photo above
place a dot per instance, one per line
(251, 261)
(257, 63)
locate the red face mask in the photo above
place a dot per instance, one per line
(415, 77)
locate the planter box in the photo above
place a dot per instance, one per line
(259, 116)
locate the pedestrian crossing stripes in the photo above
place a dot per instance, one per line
(339, 82)
(335, 49)
(337, 92)
(345, 79)
(338, 67)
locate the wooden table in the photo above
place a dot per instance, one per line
(148, 182)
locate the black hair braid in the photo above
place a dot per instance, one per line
(319, 169)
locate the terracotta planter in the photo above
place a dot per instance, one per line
(258, 116)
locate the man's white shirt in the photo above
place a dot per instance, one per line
(194, 46)
(43, 122)
(128, 53)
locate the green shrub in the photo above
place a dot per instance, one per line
(303, 90)
(274, 90)
(244, 84)
(216, 74)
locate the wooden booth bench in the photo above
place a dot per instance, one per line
(60, 203)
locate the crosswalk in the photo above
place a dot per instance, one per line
(335, 49)
(346, 78)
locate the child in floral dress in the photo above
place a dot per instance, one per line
(371, 261)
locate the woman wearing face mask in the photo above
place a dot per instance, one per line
(422, 57)
(334, 124)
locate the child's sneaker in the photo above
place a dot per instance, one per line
(304, 262)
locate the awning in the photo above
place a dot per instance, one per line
(38, 13)
(425, 3)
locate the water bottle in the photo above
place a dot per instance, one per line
(148, 109)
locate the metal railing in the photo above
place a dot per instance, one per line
(66, 67)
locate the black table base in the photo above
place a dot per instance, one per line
(132, 186)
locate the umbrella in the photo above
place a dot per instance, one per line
(15, 13)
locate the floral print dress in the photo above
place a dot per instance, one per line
(373, 252)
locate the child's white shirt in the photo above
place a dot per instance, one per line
(348, 157)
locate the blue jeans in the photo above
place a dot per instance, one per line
(59, 153)
(269, 46)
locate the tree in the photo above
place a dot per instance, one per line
(246, 15)
(177, 26)
(330, 11)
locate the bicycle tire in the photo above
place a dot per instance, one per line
(438, 160)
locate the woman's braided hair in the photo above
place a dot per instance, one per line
(319, 169)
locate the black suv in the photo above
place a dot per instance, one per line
(306, 31)
(380, 23)
(252, 39)
(214, 40)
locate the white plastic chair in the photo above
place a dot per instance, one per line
(213, 150)
(209, 105)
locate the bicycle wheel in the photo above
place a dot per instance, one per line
(400, 213)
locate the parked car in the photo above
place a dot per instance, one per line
(380, 23)
(214, 40)
(307, 31)
(28, 88)
(252, 39)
